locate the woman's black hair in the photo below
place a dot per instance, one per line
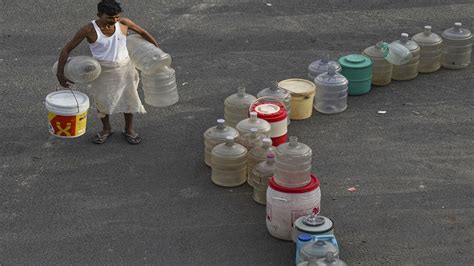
(109, 7)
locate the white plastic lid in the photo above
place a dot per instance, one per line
(67, 102)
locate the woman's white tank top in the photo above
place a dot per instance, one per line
(113, 48)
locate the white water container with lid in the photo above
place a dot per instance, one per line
(331, 92)
(277, 92)
(293, 164)
(312, 224)
(146, 56)
(160, 89)
(260, 176)
(80, 69)
(236, 107)
(457, 47)
(253, 121)
(216, 135)
(410, 69)
(317, 250)
(259, 154)
(430, 50)
(320, 66)
(229, 164)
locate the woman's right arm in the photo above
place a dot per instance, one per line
(64, 55)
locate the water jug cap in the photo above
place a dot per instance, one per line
(270, 156)
(220, 123)
(253, 130)
(229, 140)
(331, 69)
(241, 91)
(325, 58)
(313, 219)
(293, 141)
(458, 25)
(304, 237)
(267, 142)
(457, 32)
(253, 116)
(427, 30)
(404, 38)
(330, 257)
(89, 68)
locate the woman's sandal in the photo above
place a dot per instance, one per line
(101, 139)
(132, 139)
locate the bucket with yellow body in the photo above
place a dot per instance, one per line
(302, 95)
(67, 113)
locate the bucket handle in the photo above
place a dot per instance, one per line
(73, 94)
(271, 98)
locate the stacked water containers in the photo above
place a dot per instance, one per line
(430, 50)
(409, 70)
(158, 78)
(244, 126)
(381, 68)
(259, 154)
(293, 191)
(321, 66)
(216, 135)
(236, 107)
(457, 47)
(331, 92)
(358, 71)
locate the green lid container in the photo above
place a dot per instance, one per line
(358, 71)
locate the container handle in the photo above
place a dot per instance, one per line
(73, 94)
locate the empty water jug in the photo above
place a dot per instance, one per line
(216, 135)
(160, 89)
(330, 260)
(358, 71)
(146, 56)
(293, 164)
(236, 107)
(80, 69)
(430, 50)
(229, 164)
(318, 249)
(260, 176)
(410, 69)
(258, 154)
(251, 139)
(253, 121)
(381, 68)
(331, 92)
(457, 47)
(277, 92)
(320, 66)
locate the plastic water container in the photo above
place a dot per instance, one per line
(358, 71)
(313, 224)
(457, 47)
(216, 135)
(320, 66)
(253, 121)
(229, 164)
(293, 164)
(279, 93)
(67, 113)
(145, 56)
(260, 176)
(273, 111)
(80, 69)
(259, 154)
(160, 89)
(409, 70)
(302, 96)
(331, 92)
(236, 107)
(430, 50)
(318, 247)
(381, 68)
(330, 260)
(251, 139)
(301, 240)
(285, 205)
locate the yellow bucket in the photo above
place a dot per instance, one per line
(67, 113)
(302, 95)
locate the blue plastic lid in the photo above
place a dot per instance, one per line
(304, 237)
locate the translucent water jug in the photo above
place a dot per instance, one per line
(160, 89)
(80, 69)
(293, 164)
(410, 69)
(253, 121)
(317, 250)
(331, 92)
(216, 135)
(251, 139)
(236, 107)
(320, 66)
(457, 47)
(381, 68)
(277, 92)
(261, 174)
(430, 50)
(330, 260)
(145, 56)
(258, 154)
(229, 164)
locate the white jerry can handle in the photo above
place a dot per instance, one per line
(270, 99)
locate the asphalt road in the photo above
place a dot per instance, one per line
(70, 201)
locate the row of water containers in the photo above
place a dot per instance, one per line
(403, 59)
(158, 78)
